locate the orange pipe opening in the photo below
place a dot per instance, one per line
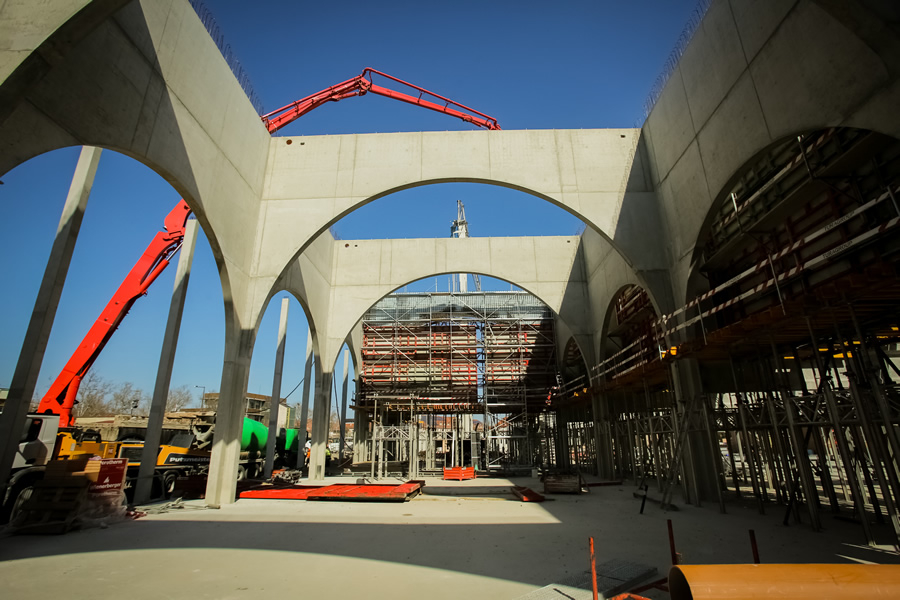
(797, 582)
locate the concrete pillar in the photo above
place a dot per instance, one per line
(222, 481)
(430, 453)
(602, 445)
(275, 401)
(343, 429)
(699, 469)
(21, 389)
(144, 485)
(360, 435)
(321, 414)
(304, 408)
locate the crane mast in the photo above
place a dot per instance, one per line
(460, 229)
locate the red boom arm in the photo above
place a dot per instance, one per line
(60, 398)
(362, 84)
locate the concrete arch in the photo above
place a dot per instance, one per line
(144, 78)
(564, 343)
(313, 332)
(166, 93)
(751, 77)
(722, 195)
(367, 270)
(610, 311)
(312, 182)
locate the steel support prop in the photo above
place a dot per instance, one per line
(716, 455)
(872, 442)
(878, 392)
(810, 492)
(843, 449)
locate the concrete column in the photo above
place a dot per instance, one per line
(321, 413)
(343, 404)
(144, 486)
(698, 466)
(430, 454)
(360, 435)
(304, 408)
(222, 481)
(21, 389)
(275, 401)
(602, 444)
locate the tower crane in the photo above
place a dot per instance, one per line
(460, 229)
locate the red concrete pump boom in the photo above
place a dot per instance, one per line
(361, 85)
(60, 398)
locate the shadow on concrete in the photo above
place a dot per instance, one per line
(527, 543)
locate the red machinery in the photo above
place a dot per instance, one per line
(60, 398)
(361, 85)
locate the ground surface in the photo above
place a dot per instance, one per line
(460, 540)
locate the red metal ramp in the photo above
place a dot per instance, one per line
(294, 492)
(339, 492)
(367, 492)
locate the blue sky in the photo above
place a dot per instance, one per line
(578, 65)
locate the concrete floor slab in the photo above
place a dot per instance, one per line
(435, 546)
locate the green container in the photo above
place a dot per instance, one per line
(290, 439)
(254, 436)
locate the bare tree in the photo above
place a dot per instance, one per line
(178, 398)
(92, 396)
(126, 400)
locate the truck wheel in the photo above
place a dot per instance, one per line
(18, 496)
(242, 472)
(168, 483)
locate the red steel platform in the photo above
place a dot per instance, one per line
(339, 492)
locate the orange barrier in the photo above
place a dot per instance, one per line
(798, 582)
(459, 473)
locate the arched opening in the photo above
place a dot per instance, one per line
(127, 207)
(634, 388)
(457, 379)
(428, 211)
(572, 365)
(791, 315)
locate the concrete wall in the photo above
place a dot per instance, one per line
(757, 72)
(367, 270)
(311, 182)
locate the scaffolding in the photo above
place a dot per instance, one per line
(467, 376)
(781, 369)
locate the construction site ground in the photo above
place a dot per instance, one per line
(468, 539)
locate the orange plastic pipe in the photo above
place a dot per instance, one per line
(797, 582)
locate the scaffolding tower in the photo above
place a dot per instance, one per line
(455, 379)
(790, 339)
